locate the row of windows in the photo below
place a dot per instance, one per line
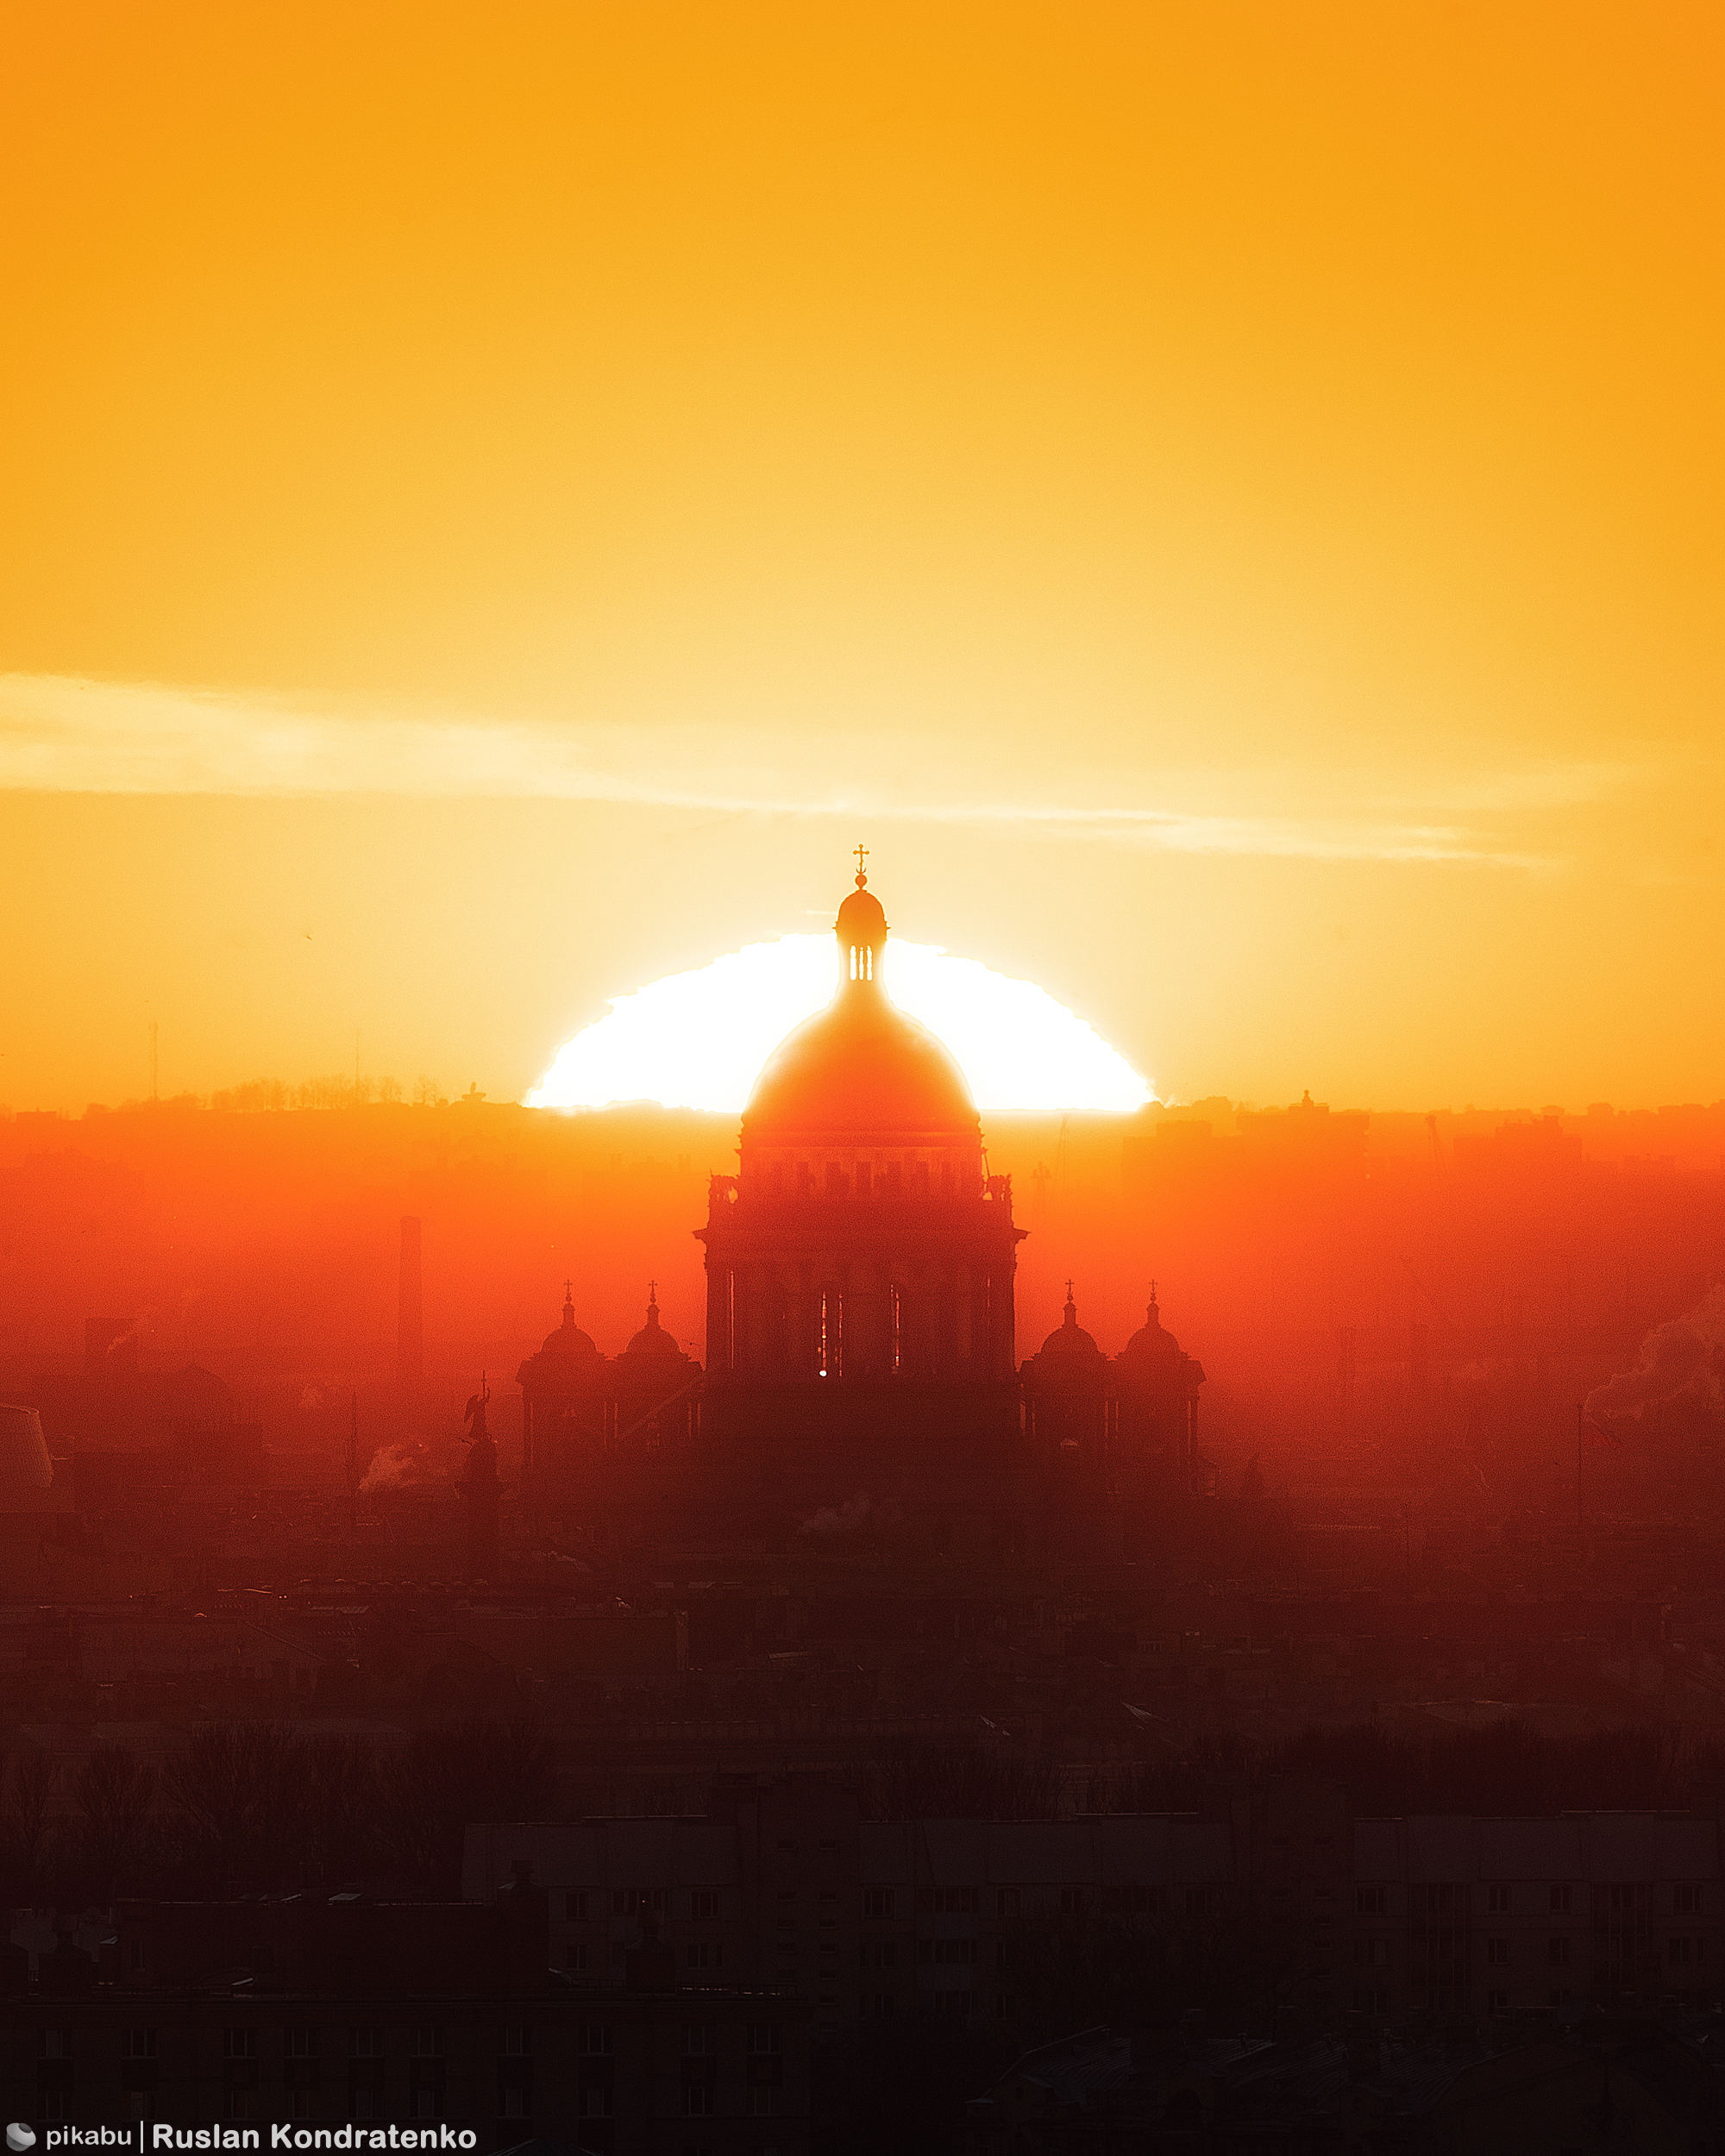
(425, 2040)
(1070, 1901)
(894, 1179)
(1552, 1901)
(583, 1906)
(587, 1906)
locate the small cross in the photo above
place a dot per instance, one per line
(862, 854)
(652, 1292)
(1069, 1291)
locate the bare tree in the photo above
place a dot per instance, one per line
(33, 1779)
(116, 1792)
(239, 1784)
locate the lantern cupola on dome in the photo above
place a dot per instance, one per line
(861, 930)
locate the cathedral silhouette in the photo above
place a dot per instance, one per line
(860, 1336)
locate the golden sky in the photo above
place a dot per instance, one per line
(1224, 499)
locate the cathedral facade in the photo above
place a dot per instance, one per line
(860, 1263)
(861, 1332)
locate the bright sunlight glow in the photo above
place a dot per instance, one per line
(697, 1040)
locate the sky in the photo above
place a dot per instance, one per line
(1223, 501)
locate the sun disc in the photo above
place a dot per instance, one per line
(697, 1039)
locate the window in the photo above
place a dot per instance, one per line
(697, 2100)
(946, 1951)
(765, 2038)
(242, 2103)
(1686, 1951)
(947, 1901)
(704, 1905)
(1141, 1901)
(137, 1954)
(239, 2043)
(1498, 1952)
(835, 1179)
(1558, 1951)
(1071, 1901)
(575, 1957)
(919, 1178)
(1560, 1900)
(1686, 1901)
(705, 1954)
(877, 1900)
(863, 1178)
(365, 2043)
(1371, 1998)
(299, 2043)
(764, 2100)
(1374, 1953)
(1372, 1900)
(700, 2039)
(895, 1180)
(137, 2043)
(1497, 1900)
(56, 2043)
(1007, 1902)
(515, 2040)
(596, 2100)
(832, 1343)
(1497, 2002)
(1200, 1901)
(427, 2041)
(596, 2041)
(575, 1906)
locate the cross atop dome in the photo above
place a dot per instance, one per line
(862, 854)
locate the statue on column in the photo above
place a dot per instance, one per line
(480, 1489)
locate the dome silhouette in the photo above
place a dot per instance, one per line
(569, 1344)
(1153, 1344)
(1069, 1347)
(861, 1064)
(652, 1348)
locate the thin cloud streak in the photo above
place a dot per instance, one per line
(63, 735)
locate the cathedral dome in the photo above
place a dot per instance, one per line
(861, 1064)
(1068, 1346)
(652, 1348)
(1151, 1344)
(569, 1344)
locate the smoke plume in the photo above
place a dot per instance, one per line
(1674, 1358)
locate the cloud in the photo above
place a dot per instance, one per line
(60, 734)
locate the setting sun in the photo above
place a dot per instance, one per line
(696, 1040)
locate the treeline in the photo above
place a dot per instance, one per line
(259, 1095)
(252, 1808)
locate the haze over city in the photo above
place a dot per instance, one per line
(861, 1114)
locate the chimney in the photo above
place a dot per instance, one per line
(410, 1328)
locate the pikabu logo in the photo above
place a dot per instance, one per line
(19, 2138)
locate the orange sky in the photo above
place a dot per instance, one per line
(1225, 500)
